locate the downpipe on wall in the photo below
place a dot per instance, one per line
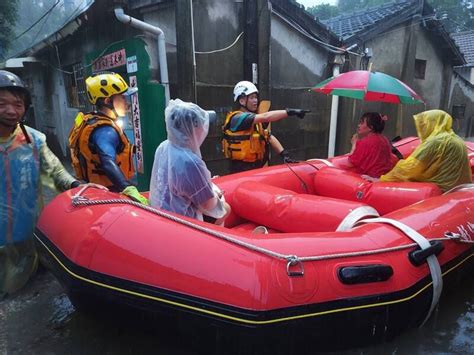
(122, 17)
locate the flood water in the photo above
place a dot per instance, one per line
(41, 320)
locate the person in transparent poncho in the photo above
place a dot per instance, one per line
(180, 180)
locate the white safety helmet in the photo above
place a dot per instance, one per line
(244, 88)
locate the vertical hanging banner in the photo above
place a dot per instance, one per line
(137, 132)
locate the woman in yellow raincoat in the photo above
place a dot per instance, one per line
(440, 158)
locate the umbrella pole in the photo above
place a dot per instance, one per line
(333, 122)
(399, 126)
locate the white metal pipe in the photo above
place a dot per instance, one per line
(333, 122)
(122, 17)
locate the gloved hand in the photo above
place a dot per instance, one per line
(286, 157)
(132, 192)
(296, 112)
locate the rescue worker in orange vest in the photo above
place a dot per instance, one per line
(246, 139)
(100, 150)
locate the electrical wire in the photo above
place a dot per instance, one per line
(37, 21)
(75, 12)
(223, 49)
(41, 28)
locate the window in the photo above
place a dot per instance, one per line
(458, 111)
(75, 87)
(420, 68)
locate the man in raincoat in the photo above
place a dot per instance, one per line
(180, 181)
(24, 160)
(440, 158)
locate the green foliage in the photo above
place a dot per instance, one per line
(457, 15)
(8, 16)
(323, 11)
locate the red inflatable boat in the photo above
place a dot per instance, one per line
(310, 252)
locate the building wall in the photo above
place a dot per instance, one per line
(462, 94)
(394, 53)
(164, 18)
(297, 64)
(433, 86)
(290, 64)
(53, 115)
(217, 25)
(467, 73)
(388, 56)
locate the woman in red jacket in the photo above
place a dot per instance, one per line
(371, 150)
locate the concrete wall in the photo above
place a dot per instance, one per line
(164, 18)
(389, 56)
(289, 64)
(297, 64)
(433, 86)
(462, 93)
(467, 73)
(394, 53)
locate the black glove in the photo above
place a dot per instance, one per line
(286, 157)
(296, 112)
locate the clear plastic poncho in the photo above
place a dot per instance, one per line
(180, 180)
(440, 158)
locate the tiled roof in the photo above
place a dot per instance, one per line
(465, 42)
(346, 26)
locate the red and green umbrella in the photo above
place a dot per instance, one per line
(369, 86)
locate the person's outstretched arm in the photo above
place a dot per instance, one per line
(52, 167)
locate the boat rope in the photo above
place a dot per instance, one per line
(324, 161)
(303, 184)
(460, 188)
(292, 260)
(432, 260)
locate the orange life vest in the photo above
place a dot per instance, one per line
(246, 145)
(85, 162)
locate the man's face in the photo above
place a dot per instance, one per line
(120, 105)
(250, 102)
(12, 109)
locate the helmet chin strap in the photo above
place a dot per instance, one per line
(111, 107)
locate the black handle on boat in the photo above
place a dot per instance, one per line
(359, 274)
(418, 257)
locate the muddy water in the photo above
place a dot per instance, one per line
(41, 320)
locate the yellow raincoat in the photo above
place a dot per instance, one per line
(440, 158)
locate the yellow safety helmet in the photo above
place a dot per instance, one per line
(102, 85)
